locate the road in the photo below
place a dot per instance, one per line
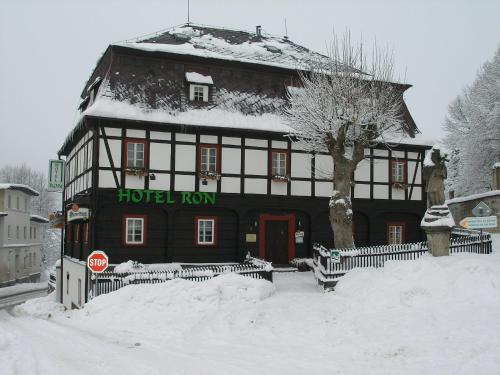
(22, 296)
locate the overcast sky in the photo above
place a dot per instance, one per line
(49, 48)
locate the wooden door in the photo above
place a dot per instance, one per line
(276, 245)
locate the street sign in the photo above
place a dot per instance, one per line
(77, 213)
(97, 261)
(335, 256)
(479, 222)
(481, 210)
(56, 175)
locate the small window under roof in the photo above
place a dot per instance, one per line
(272, 49)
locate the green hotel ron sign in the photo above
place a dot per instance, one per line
(165, 197)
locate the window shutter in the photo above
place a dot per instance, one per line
(205, 93)
(191, 92)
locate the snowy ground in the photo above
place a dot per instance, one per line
(430, 316)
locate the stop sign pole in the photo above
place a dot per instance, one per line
(97, 262)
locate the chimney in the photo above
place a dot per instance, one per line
(258, 31)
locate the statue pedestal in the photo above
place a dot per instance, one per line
(437, 224)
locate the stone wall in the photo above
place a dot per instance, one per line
(462, 207)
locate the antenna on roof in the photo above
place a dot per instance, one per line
(258, 30)
(188, 11)
(286, 30)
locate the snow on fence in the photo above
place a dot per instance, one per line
(109, 280)
(328, 272)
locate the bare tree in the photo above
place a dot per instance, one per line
(344, 105)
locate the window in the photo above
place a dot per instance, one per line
(34, 260)
(25, 261)
(31, 232)
(85, 234)
(26, 204)
(30, 260)
(134, 230)
(395, 233)
(25, 232)
(398, 169)
(68, 232)
(9, 234)
(208, 158)
(205, 230)
(279, 163)
(76, 236)
(198, 93)
(17, 233)
(9, 201)
(34, 233)
(136, 154)
(17, 203)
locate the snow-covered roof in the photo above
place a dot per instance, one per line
(215, 117)
(194, 77)
(21, 187)
(38, 219)
(487, 194)
(154, 90)
(227, 44)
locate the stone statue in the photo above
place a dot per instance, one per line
(434, 175)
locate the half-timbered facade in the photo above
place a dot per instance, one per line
(180, 154)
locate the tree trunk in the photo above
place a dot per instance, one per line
(340, 203)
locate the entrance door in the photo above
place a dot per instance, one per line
(276, 238)
(277, 242)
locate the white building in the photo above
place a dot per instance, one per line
(20, 235)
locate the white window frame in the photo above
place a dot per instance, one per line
(197, 92)
(395, 232)
(135, 220)
(398, 166)
(278, 165)
(201, 235)
(210, 159)
(132, 162)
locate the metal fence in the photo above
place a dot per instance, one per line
(328, 272)
(109, 280)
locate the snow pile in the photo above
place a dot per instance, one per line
(135, 267)
(176, 306)
(44, 307)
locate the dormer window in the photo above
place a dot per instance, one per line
(198, 86)
(198, 93)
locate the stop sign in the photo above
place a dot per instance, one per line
(97, 261)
